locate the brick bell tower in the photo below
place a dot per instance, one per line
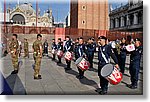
(89, 14)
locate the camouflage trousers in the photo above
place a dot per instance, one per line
(37, 60)
(26, 53)
(15, 61)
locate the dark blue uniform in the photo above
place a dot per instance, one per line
(75, 49)
(60, 47)
(68, 47)
(80, 52)
(54, 46)
(104, 54)
(123, 54)
(90, 53)
(134, 68)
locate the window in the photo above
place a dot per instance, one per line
(83, 22)
(83, 7)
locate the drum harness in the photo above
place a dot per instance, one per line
(103, 55)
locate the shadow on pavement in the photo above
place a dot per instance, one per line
(15, 84)
(89, 82)
(72, 72)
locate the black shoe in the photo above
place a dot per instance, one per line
(37, 78)
(132, 86)
(103, 92)
(81, 77)
(67, 68)
(58, 62)
(14, 72)
(77, 76)
(98, 90)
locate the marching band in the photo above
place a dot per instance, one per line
(84, 55)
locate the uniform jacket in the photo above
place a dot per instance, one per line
(68, 46)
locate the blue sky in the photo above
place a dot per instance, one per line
(60, 9)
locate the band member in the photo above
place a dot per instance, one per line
(26, 49)
(104, 54)
(75, 47)
(123, 54)
(54, 48)
(80, 52)
(37, 54)
(90, 49)
(45, 46)
(13, 47)
(68, 47)
(134, 67)
(59, 47)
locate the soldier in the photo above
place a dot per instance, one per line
(90, 49)
(54, 48)
(104, 53)
(37, 54)
(59, 47)
(13, 47)
(123, 54)
(80, 52)
(45, 46)
(20, 48)
(26, 51)
(68, 47)
(134, 67)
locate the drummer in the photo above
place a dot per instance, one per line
(54, 47)
(68, 46)
(80, 52)
(59, 47)
(134, 67)
(104, 53)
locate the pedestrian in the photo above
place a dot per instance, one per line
(104, 54)
(26, 49)
(68, 47)
(45, 47)
(54, 48)
(80, 52)
(13, 47)
(134, 67)
(37, 54)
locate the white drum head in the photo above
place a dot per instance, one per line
(107, 70)
(78, 60)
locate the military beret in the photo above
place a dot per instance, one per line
(102, 37)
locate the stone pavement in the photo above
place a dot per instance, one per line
(55, 80)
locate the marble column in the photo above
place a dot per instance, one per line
(135, 18)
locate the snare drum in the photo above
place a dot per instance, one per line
(59, 53)
(82, 63)
(112, 74)
(68, 56)
(53, 51)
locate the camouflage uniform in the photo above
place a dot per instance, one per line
(26, 52)
(14, 53)
(37, 57)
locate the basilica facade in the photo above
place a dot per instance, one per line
(25, 15)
